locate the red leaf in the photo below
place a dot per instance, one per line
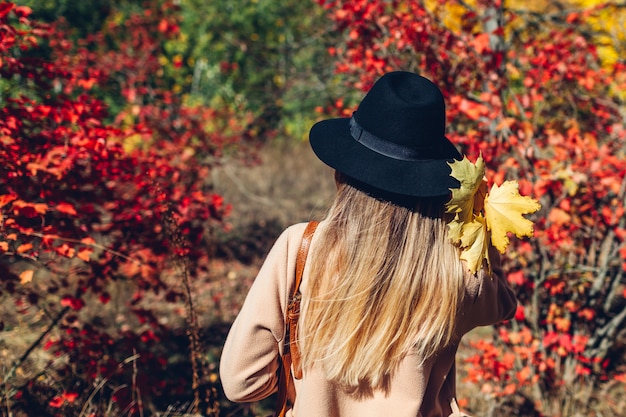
(582, 370)
(56, 402)
(23, 11)
(48, 344)
(5, 9)
(104, 298)
(70, 396)
(516, 278)
(72, 302)
(572, 17)
(66, 208)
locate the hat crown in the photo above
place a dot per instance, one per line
(405, 109)
(395, 141)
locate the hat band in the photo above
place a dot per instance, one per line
(381, 146)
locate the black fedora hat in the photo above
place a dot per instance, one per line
(395, 141)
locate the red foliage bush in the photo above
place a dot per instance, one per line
(94, 204)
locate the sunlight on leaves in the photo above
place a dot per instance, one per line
(481, 218)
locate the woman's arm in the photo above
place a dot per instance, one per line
(251, 354)
(489, 299)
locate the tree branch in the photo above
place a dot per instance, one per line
(605, 337)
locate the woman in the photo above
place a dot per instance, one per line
(385, 296)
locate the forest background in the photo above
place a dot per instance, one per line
(150, 153)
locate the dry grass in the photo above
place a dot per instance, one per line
(290, 185)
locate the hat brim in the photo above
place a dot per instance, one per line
(333, 144)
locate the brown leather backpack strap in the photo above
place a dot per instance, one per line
(286, 389)
(285, 382)
(307, 236)
(293, 312)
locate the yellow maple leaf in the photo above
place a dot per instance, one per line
(471, 177)
(481, 218)
(504, 210)
(455, 230)
(475, 244)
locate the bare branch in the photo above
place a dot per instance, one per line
(604, 338)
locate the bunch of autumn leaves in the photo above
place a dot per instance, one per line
(482, 218)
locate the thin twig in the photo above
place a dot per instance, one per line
(173, 231)
(78, 241)
(34, 345)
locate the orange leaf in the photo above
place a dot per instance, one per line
(40, 208)
(562, 324)
(48, 239)
(509, 389)
(84, 254)
(6, 199)
(24, 247)
(65, 250)
(26, 276)
(587, 313)
(481, 43)
(66, 208)
(524, 374)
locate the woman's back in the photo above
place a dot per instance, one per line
(417, 388)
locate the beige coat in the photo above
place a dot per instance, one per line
(250, 358)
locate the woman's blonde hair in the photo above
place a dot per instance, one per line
(384, 282)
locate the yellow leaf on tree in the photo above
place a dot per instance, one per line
(504, 210)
